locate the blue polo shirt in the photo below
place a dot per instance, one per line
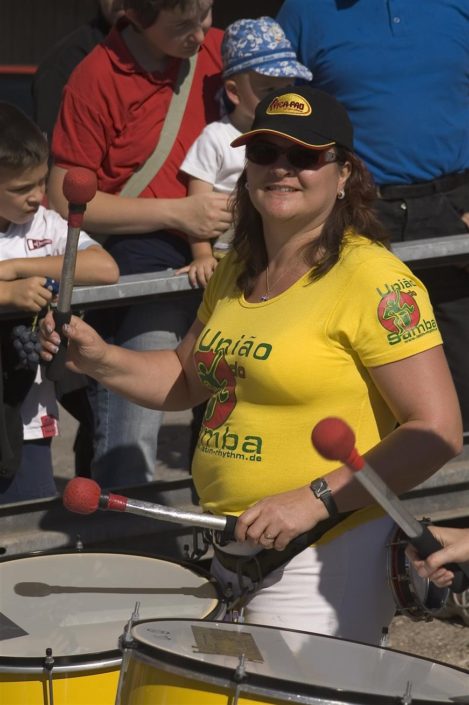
(401, 68)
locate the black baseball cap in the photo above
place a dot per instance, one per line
(304, 115)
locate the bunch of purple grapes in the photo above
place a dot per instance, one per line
(27, 346)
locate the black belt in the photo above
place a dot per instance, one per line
(425, 188)
(257, 567)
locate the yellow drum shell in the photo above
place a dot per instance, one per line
(188, 662)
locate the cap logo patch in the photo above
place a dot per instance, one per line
(289, 104)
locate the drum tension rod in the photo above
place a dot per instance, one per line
(407, 697)
(49, 665)
(239, 676)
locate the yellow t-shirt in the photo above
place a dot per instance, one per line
(278, 367)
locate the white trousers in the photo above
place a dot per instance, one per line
(339, 589)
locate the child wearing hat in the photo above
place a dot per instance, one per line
(257, 59)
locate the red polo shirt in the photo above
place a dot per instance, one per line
(113, 111)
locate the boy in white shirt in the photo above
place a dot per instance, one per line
(32, 244)
(257, 59)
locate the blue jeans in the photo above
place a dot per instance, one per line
(34, 478)
(126, 434)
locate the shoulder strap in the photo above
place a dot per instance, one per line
(141, 178)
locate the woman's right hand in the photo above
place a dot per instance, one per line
(86, 349)
(203, 215)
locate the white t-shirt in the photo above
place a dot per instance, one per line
(43, 236)
(212, 159)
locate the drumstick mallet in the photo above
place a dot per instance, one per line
(79, 188)
(335, 440)
(84, 496)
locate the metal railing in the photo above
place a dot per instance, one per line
(429, 252)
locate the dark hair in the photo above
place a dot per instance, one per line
(147, 11)
(353, 212)
(22, 144)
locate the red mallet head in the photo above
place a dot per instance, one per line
(335, 440)
(81, 495)
(80, 185)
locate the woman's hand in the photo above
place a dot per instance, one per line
(86, 349)
(455, 549)
(275, 521)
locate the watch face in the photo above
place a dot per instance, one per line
(319, 486)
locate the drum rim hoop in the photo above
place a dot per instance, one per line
(62, 664)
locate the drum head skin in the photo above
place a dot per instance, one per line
(296, 666)
(78, 603)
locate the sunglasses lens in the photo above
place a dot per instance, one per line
(262, 153)
(302, 158)
(266, 153)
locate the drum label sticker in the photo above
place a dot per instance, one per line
(226, 643)
(8, 629)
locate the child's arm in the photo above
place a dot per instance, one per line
(93, 266)
(204, 263)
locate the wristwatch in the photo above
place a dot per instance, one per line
(321, 490)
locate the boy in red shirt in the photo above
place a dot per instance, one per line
(112, 114)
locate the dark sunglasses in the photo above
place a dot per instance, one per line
(267, 153)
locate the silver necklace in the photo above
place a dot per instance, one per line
(268, 287)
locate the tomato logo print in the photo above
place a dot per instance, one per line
(398, 312)
(216, 374)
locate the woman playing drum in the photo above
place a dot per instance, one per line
(309, 316)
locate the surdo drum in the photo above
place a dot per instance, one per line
(62, 615)
(191, 662)
(416, 597)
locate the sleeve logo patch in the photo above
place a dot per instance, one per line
(399, 314)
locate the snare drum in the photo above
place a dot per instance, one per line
(77, 604)
(190, 662)
(416, 597)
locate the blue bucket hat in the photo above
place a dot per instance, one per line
(260, 45)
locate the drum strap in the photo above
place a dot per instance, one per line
(257, 567)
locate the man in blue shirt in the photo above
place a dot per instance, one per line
(402, 72)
